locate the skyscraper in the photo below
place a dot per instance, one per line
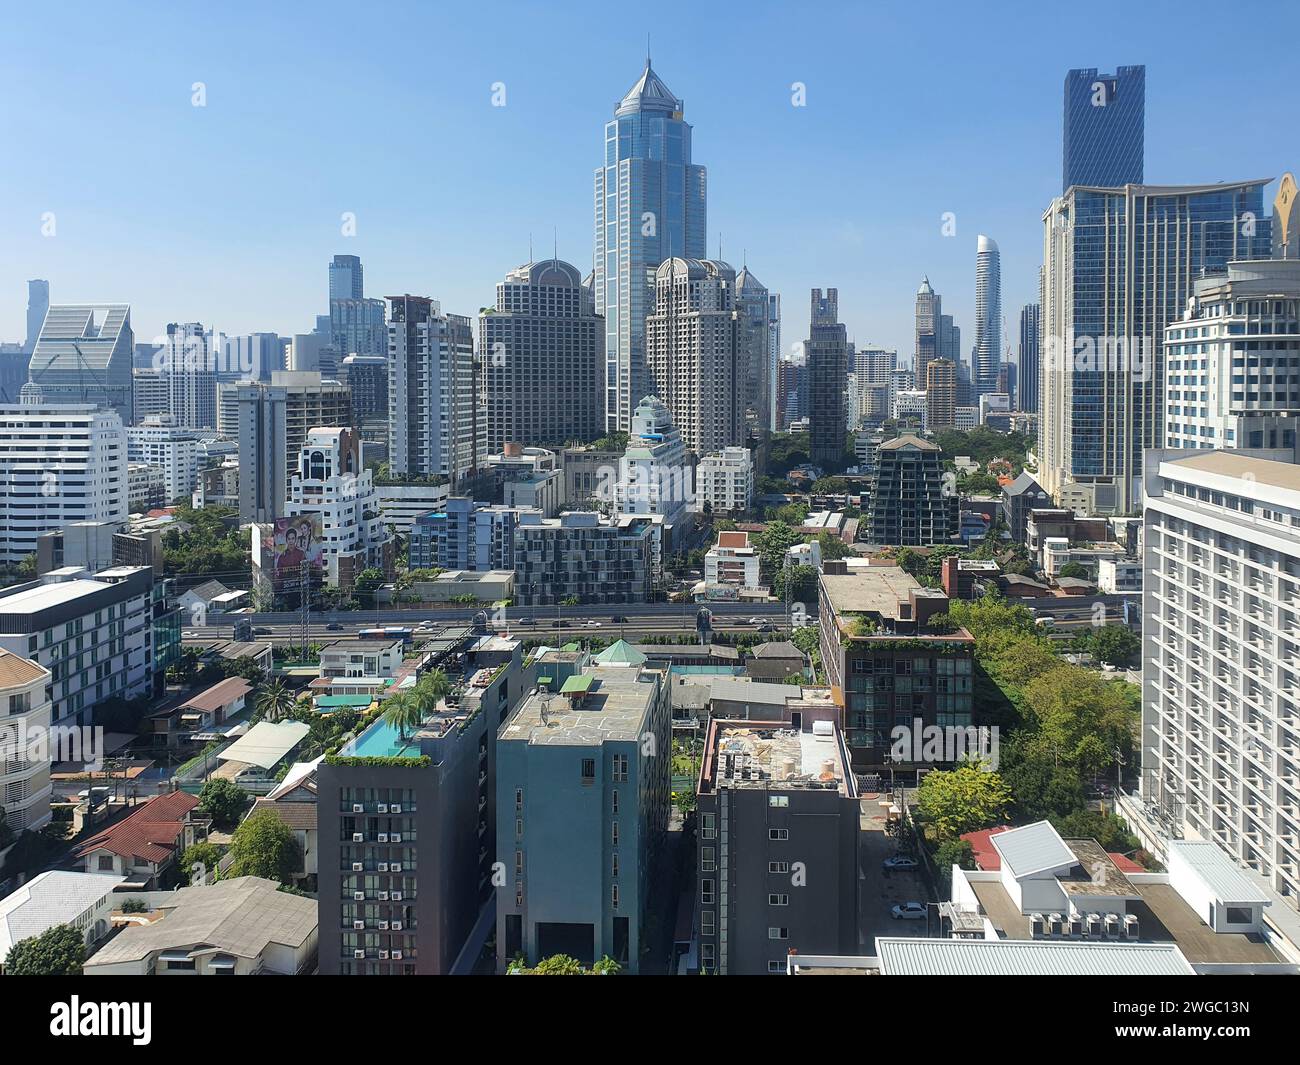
(940, 395)
(988, 315)
(433, 424)
(693, 351)
(1027, 372)
(754, 307)
(929, 305)
(774, 355)
(38, 302)
(356, 324)
(650, 206)
(542, 348)
(84, 354)
(189, 366)
(828, 356)
(347, 281)
(1105, 126)
(1102, 378)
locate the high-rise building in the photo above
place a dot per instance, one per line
(754, 340)
(724, 481)
(433, 399)
(774, 356)
(24, 689)
(171, 449)
(828, 356)
(1232, 361)
(791, 391)
(988, 316)
(543, 365)
(84, 355)
(152, 395)
(251, 357)
(650, 206)
(347, 278)
(1102, 377)
(949, 339)
(928, 328)
(1028, 366)
(273, 421)
(911, 505)
(189, 365)
(59, 463)
(1104, 128)
(357, 327)
(940, 395)
(465, 535)
(38, 303)
(692, 343)
(1221, 656)
(366, 377)
(581, 556)
(654, 477)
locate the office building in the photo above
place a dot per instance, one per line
(582, 812)
(250, 357)
(171, 449)
(755, 364)
(911, 504)
(940, 395)
(1102, 396)
(59, 463)
(1104, 128)
(84, 355)
(273, 422)
(791, 391)
(38, 303)
(407, 822)
(1232, 361)
(724, 481)
(928, 343)
(1027, 367)
(773, 356)
(650, 207)
(775, 801)
(987, 356)
(152, 395)
(366, 378)
(542, 353)
(828, 356)
(1221, 656)
(581, 557)
(693, 352)
(433, 428)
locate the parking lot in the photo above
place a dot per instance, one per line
(880, 889)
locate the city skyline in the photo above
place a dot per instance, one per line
(879, 236)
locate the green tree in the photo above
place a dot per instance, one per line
(1115, 645)
(1074, 569)
(367, 583)
(264, 846)
(797, 583)
(952, 852)
(962, 800)
(1080, 719)
(202, 853)
(275, 701)
(771, 545)
(404, 712)
(223, 800)
(58, 951)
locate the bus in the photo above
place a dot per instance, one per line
(388, 632)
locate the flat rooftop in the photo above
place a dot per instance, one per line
(870, 590)
(615, 708)
(768, 755)
(1231, 464)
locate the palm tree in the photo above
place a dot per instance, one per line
(275, 702)
(404, 712)
(433, 687)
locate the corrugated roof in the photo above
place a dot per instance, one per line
(1219, 873)
(52, 898)
(1033, 849)
(220, 694)
(266, 743)
(907, 956)
(298, 815)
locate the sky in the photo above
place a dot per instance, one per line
(115, 187)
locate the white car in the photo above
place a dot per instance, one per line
(908, 911)
(593, 624)
(757, 621)
(900, 861)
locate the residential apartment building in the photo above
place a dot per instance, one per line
(465, 535)
(733, 562)
(775, 802)
(582, 811)
(59, 463)
(25, 710)
(940, 395)
(543, 359)
(170, 448)
(1221, 656)
(655, 475)
(152, 395)
(724, 481)
(911, 502)
(1027, 358)
(756, 362)
(580, 556)
(189, 365)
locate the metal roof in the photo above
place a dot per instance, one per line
(266, 743)
(1033, 849)
(52, 898)
(908, 956)
(1217, 871)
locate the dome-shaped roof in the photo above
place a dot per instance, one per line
(648, 94)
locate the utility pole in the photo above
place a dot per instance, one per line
(304, 602)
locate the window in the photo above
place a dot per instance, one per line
(589, 770)
(778, 900)
(707, 826)
(778, 834)
(519, 800)
(1238, 915)
(778, 867)
(706, 891)
(707, 927)
(776, 966)
(615, 800)
(106, 863)
(615, 834)
(706, 956)
(778, 933)
(780, 801)
(707, 863)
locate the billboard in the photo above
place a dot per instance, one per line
(286, 544)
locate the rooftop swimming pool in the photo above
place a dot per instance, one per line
(381, 740)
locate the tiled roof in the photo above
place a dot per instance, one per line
(297, 815)
(221, 694)
(150, 831)
(16, 670)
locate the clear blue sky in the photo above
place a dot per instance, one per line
(229, 214)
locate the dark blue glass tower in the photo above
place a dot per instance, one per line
(1105, 127)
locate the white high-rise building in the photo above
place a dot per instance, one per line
(654, 476)
(170, 448)
(59, 464)
(773, 354)
(988, 316)
(724, 480)
(189, 365)
(1232, 363)
(1221, 655)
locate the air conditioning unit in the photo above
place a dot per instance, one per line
(383, 926)
(394, 867)
(358, 896)
(1130, 926)
(358, 837)
(359, 926)
(1093, 927)
(383, 837)
(383, 867)
(1036, 925)
(359, 954)
(383, 955)
(357, 867)
(395, 808)
(383, 896)
(396, 896)
(358, 808)
(397, 955)
(1112, 924)
(395, 837)
(1054, 923)
(383, 807)
(396, 926)
(1076, 925)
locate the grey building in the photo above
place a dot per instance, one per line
(757, 361)
(84, 354)
(1104, 128)
(777, 846)
(1028, 364)
(828, 359)
(357, 327)
(366, 377)
(38, 303)
(543, 365)
(585, 469)
(582, 809)
(407, 823)
(581, 556)
(347, 278)
(650, 206)
(1019, 498)
(910, 504)
(465, 535)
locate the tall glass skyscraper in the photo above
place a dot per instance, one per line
(1027, 370)
(650, 206)
(1105, 127)
(988, 316)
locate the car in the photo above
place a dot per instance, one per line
(333, 626)
(557, 624)
(618, 619)
(424, 626)
(526, 621)
(908, 911)
(190, 635)
(765, 627)
(758, 621)
(593, 624)
(1046, 620)
(900, 861)
(262, 632)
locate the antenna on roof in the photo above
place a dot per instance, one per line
(530, 249)
(647, 50)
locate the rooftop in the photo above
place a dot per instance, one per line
(771, 755)
(16, 671)
(1033, 849)
(220, 694)
(614, 708)
(266, 744)
(1283, 475)
(909, 956)
(51, 898)
(870, 590)
(150, 831)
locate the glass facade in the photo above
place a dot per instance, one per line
(1105, 127)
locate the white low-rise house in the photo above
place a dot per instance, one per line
(362, 658)
(724, 481)
(24, 707)
(241, 927)
(1118, 575)
(1217, 891)
(809, 554)
(82, 900)
(732, 561)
